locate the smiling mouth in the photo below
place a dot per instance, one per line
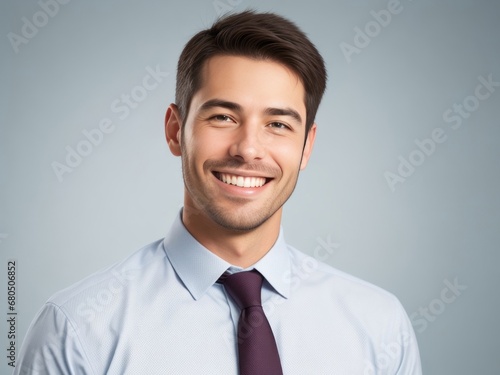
(241, 181)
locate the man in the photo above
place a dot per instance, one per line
(243, 124)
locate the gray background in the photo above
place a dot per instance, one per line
(441, 224)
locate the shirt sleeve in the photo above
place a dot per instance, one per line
(410, 357)
(52, 346)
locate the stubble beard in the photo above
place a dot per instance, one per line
(243, 220)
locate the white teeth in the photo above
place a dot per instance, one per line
(241, 181)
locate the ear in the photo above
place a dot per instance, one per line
(306, 154)
(173, 129)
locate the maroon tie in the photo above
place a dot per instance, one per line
(258, 354)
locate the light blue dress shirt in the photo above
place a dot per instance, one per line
(160, 311)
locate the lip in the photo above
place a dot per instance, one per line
(243, 173)
(241, 191)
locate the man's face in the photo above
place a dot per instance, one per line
(242, 144)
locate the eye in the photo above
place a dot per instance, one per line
(221, 118)
(279, 125)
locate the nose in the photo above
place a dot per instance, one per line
(248, 143)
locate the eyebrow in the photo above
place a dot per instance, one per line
(271, 111)
(284, 112)
(220, 103)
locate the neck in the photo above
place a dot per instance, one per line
(240, 248)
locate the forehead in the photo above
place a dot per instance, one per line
(249, 81)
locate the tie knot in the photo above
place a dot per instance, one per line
(244, 287)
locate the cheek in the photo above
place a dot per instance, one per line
(288, 156)
(203, 146)
(215, 141)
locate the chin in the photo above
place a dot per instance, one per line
(243, 222)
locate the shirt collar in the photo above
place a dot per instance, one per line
(275, 266)
(199, 268)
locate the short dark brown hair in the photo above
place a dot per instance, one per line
(259, 36)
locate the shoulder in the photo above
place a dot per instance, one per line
(366, 316)
(339, 286)
(85, 317)
(343, 300)
(118, 277)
